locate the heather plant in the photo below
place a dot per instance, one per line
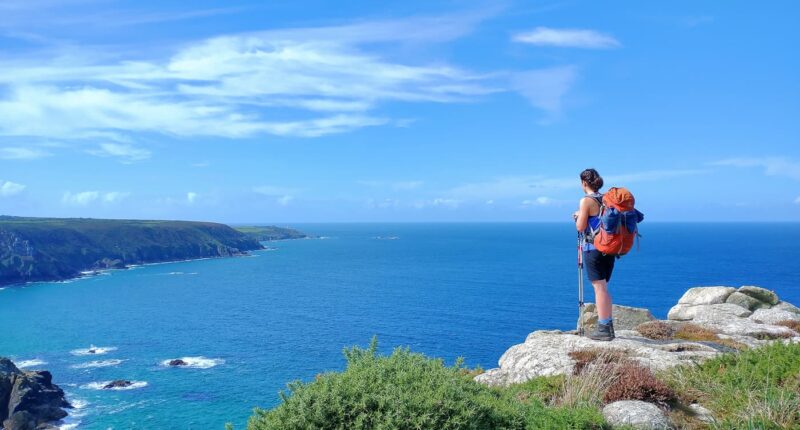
(635, 382)
(656, 330)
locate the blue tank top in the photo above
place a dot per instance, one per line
(593, 223)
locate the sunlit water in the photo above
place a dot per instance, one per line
(248, 325)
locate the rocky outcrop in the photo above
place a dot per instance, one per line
(636, 414)
(119, 383)
(548, 352)
(29, 400)
(625, 317)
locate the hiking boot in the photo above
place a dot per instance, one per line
(611, 324)
(603, 332)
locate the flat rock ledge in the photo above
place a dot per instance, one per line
(546, 352)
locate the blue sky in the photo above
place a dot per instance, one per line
(250, 111)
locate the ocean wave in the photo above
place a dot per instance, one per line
(196, 362)
(100, 385)
(93, 350)
(97, 363)
(24, 364)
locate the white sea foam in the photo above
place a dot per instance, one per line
(196, 362)
(100, 385)
(97, 363)
(93, 350)
(25, 364)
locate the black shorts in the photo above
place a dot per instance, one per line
(598, 266)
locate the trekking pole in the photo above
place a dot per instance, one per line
(580, 285)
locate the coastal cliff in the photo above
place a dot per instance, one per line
(29, 400)
(52, 249)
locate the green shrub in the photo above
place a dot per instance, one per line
(410, 391)
(756, 388)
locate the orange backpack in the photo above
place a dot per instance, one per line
(618, 223)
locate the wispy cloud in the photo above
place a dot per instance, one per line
(394, 185)
(546, 88)
(191, 197)
(295, 82)
(121, 150)
(85, 198)
(540, 201)
(567, 38)
(22, 153)
(797, 200)
(8, 188)
(82, 198)
(523, 186)
(773, 166)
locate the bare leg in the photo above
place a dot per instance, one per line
(602, 298)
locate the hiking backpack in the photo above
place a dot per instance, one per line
(619, 221)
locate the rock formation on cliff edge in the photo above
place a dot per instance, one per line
(744, 316)
(29, 400)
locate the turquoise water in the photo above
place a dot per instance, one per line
(447, 290)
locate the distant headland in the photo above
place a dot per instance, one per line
(56, 249)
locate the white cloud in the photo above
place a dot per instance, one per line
(545, 88)
(80, 199)
(797, 200)
(773, 166)
(115, 196)
(394, 186)
(441, 202)
(284, 200)
(540, 201)
(296, 82)
(22, 153)
(191, 197)
(121, 150)
(226, 86)
(8, 188)
(567, 38)
(522, 186)
(84, 198)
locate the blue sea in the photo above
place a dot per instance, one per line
(249, 325)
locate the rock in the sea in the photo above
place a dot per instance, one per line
(761, 294)
(745, 301)
(722, 311)
(636, 414)
(706, 295)
(119, 383)
(773, 315)
(177, 362)
(28, 400)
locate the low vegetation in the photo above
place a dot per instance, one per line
(755, 389)
(661, 330)
(407, 390)
(751, 389)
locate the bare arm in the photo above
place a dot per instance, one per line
(582, 215)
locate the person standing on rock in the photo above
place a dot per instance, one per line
(598, 265)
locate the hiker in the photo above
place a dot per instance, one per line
(597, 264)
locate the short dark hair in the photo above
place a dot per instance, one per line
(593, 179)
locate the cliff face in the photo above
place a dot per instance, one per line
(28, 400)
(44, 249)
